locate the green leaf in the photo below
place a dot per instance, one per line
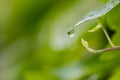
(99, 13)
(113, 19)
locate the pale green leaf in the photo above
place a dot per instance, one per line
(99, 13)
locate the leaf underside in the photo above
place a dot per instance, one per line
(99, 13)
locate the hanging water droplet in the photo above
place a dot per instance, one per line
(71, 33)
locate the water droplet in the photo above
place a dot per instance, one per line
(71, 33)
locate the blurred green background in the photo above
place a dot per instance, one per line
(34, 44)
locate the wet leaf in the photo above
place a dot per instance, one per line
(99, 13)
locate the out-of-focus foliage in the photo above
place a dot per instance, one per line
(34, 44)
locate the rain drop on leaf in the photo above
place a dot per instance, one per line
(71, 33)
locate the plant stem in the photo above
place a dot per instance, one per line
(85, 43)
(104, 50)
(107, 36)
(111, 49)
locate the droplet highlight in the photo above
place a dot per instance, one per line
(71, 33)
